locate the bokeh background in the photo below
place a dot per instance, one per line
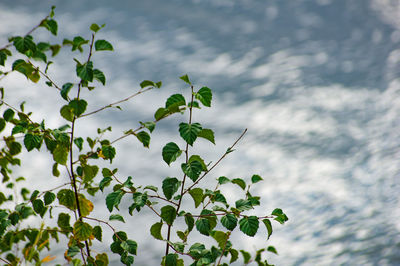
(315, 82)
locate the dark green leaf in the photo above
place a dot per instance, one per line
(78, 106)
(189, 220)
(144, 138)
(51, 25)
(246, 256)
(38, 206)
(171, 260)
(98, 75)
(234, 255)
(192, 169)
(82, 230)
(66, 197)
(171, 152)
(108, 152)
(268, 225)
(189, 132)
(8, 114)
(197, 195)
(168, 214)
(204, 95)
(79, 143)
(272, 249)
(105, 182)
(116, 217)
(147, 83)
(256, 178)
(203, 226)
(199, 159)
(229, 221)
(72, 251)
(24, 44)
(170, 185)
(207, 134)
(149, 125)
(174, 101)
(113, 199)
(85, 71)
(243, 205)
(49, 197)
(103, 45)
(155, 231)
(130, 246)
(249, 225)
(97, 232)
(240, 182)
(161, 113)
(32, 141)
(2, 124)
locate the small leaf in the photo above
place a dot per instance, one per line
(105, 182)
(204, 95)
(116, 217)
(161, 113)
(207, 134)
(63, 221)
(149, 125)
(79, 143)
(272, 249)
(192, 169)
(144, 138)
(147, 83)
(197, 195)
(185, 78)
(66, 197)
(67, 113)
(223, 180)
(168, 214)
(8, 114)
(243, 205)
(94, 27)
(221, 238)
(155, 230)
(113, 199)
(249, 225)
(171, 152)
(72, 251)
(82, 230)
(268, 225)
(246, 256)
(199, 159)
(203, 226)
(240, 182)
(32, 141)
(229, 221)
(98, 75)
(60, 154)
(49, 197)
(170, 185)
(85, 71)
(256, 178)
(97, 232)
(103, 45)
(174, 101)
(234, 255)
(189, 132)
(86, 205)
(189, 220)
(78, 106)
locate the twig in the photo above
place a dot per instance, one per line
(220, 159)
(159, 197)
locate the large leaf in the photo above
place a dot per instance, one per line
(229, 221)
(32, 141)
(204, 95)
(78, 106)
(144, 138)
(82, 230)
(99, 75)
(49, 197)
(207, 134)
(203, 226)
(197, 195)
(168, 214)
(86, 206)
(67, 112)
(174, 101)
(170, 185)
(24, 44)
(221, 238)
(66, 197)
(171, 152)
(155, 230)
(189, 132)
(85, 71)
(60, 154)
(268, 225)
(192, 169)
(189, 220)
(113, 199)
(249, 225)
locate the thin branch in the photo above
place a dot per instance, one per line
(223, 250)
(117, 102)
(148, 205)
(45, 75)
(220, 159)
(159, 197)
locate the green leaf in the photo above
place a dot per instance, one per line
(86, 205)
(82, 230)
(170, 185)
(130, 246)
(97, 232)
(2, 124)
(32, 141)
(89, 172)
(15, 148)
(249, 225)
(161, 113)
(103, 45)
(85, 71)
(51, 25)
(203, 226)
(199, 159)
(108, 152)
(60, 154)
(152, 188)
(174, 101)
(49, 197)
(149, 125)
(8, 114)
(229, 221)
(155, 230)
(280, 216)
(246, 256)
(192, 169)
(78, 106)
(168, 214)
(171, 152)
(72, 251)
(255, 179)
(116, 217)
(272, 249)
(197, 195)
(94, 27)
(204, 95)
(67, 113)
(207, 134)
(147, 83)
(38, 207)
(144, 138)
(66, 197)
(185, 78)
(24, 44)
(55, 171)
(268, 225)
(189, 132)
(98, 75)
(79, 143)
(234, 255)
(171, 260)
(189, 220)
(243, 205)
(240, 182)
(63, 221)
(3, 56)
(105, 182)
(113, 199)
(221, 238)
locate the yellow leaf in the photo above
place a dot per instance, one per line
(101, 154)
(48, 258)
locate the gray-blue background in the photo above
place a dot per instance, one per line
(315, 82)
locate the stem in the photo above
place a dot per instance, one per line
(223, 250)
(219, 160)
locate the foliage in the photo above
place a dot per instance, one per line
(75, 163)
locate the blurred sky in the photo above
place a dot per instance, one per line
(315, 82)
